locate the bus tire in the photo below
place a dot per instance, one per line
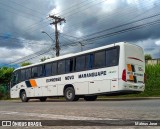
(43, 99)
(90, 98)
(23, 97)
(69, 94)
(76, 98)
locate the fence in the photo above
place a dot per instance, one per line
(153, 61)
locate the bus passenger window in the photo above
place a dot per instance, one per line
(89, 61)
(99, 59)
(40, 71)
(80, 63)
(23, 75)
(34, 72)
(48, 69)
(69, 65)
(112, 57)
(61, 67)
(28, 73)
(54, 68)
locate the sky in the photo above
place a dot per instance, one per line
(93, 23)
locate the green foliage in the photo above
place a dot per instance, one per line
(148, 57)
(153, 80)
(26, 63)
(3, 91)
(44, 58)
(5, 77)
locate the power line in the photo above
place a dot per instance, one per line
(41, 52)
(35, 10)
(86, 8)
(119, 26)
(119, 32)
(71, 7)
(152, 16)
(118, 12)
(28, 29)
(112, 34)
(10, 7)
(43, 19)
(31, 14)
(122, 25)
(73, 10)
(90, 40)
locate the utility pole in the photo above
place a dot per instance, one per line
(57, 20)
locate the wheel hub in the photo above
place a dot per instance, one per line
(69, 94)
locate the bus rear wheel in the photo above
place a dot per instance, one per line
(43, 99)
(90, 98)
(69, 94)
(23, 97)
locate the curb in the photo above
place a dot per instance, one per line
(127, 98)
(98, 99)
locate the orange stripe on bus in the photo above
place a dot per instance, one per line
(33, 83)
(129, 67)
(131, 77)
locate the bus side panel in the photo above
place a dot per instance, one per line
(99, 86)
(114, 78)
(81, 88)
(49, 90)
(60, 89)
(14, 92)
(38, 91)
(30, 92)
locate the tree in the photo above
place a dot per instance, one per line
(148, 57)
(5, 78)
(26, 63)
(5, 75)
(44, 58)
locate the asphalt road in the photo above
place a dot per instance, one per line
(98, 110)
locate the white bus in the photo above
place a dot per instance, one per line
(112, 69)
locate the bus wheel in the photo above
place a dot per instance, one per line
(90, 98)
(69, 94)
(43, 99)
(24, 97)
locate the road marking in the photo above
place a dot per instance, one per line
(52, 116)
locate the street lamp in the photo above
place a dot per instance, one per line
(48, 36)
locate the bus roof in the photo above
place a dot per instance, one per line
(72, 55)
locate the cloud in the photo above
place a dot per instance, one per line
(16, 54)
(22, 23)
(157, 42)
(150, 46)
